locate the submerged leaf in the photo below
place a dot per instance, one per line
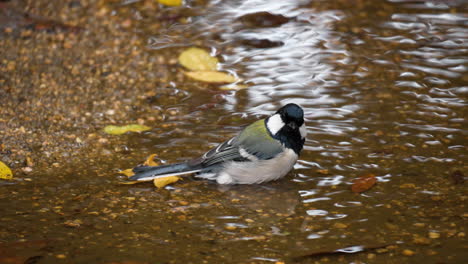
(118, 130)
(197, 59)
(211, 76)
(127, 172)
(5, 172)
(130, 182)
(363, 183)
(263, 19)
(170, 2)
(162, 182)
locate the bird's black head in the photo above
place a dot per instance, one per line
(287, 125)
(292, 115)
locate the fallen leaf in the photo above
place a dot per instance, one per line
(127, 172)
(364, 183)
(118, 130)
(457, 177)
(261, 43)
(263, 19)
(211, 76)
(170, 2)
(197, 59)
(150, 161)
(161, 182)
(5, 172)
(130, 182)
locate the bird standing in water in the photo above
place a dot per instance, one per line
(264, 151)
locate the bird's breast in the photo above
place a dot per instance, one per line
(261, 170)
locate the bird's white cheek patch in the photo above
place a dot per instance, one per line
(274, 124)
(303, 130)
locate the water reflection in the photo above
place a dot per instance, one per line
(384, 92)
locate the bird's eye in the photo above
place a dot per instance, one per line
(292, 125)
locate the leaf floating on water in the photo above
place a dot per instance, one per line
(363, 183)
(150, 161)
(162, 182)
(5, 172)
(211, 76)
(170, 2)
(196, 59)
(119, 130)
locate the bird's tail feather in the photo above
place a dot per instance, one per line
(147, 173)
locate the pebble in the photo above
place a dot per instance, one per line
(230, 227)
(340, 225)
(434, 235)
(408, 252)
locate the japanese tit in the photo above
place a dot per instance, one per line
(264, 151)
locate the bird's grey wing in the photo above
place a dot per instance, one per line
(253, 143)
(225, 151)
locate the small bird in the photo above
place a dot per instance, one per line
(264, 151)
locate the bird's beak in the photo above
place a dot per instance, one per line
(292, 125)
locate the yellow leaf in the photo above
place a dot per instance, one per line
(150, 161)
(211, 76)
(118, 130)
(5, 172)
(130, 182)
(161, 182)
(170, 2)
(127, 172)
(196, 59)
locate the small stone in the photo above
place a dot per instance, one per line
(408, 186)
(421, 240)
(103, 140)
(408, 252)
(60, 256)
(323, 171)
(340, 225)
(434, 235)
(27, 169)
(230, 227)
(182, 217)
(126, 23)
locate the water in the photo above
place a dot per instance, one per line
(384, 89)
